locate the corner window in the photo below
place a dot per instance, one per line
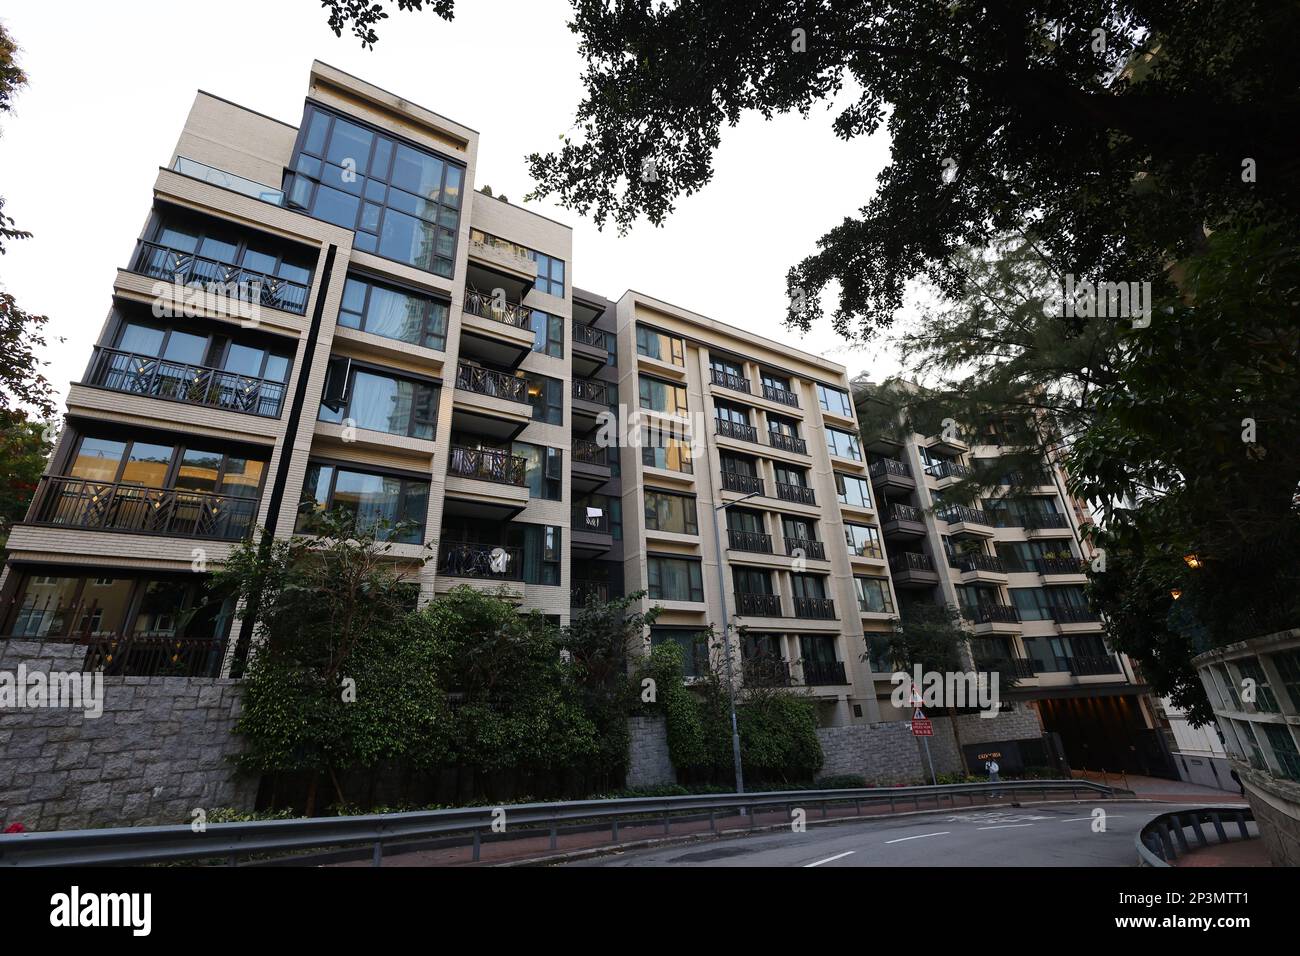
(834, 400)
(657, 345)
(375, 502)
(394, 313)
(843, 444)
(378, 402)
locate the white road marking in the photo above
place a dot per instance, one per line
(837, 856)
(919, 836)
(1007, 826)
(1109, 816)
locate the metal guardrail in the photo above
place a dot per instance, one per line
(1164, 838)
(229, 841)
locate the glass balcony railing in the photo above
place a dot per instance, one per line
(219, 177)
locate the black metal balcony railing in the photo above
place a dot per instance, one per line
(589, 452)
(487, 306)
(805, 547)
(745, 484)
(465, 559)
(819, 608)
(824, 673)
(749, 604)
(1046, 519)
(591, 524)
(766, 671)
(737, 383)
(963, 514)
(910, 561)
(889, 466)
(1090, 665)
(1015, 667)
(486, 381)
(1064, 614)
(796, 493)
(949, 469)
(737, 430)
(224, 279)
(1027, 479)
(991, 614)
(487, 464)
(774, 393)
(582, 591)
(754, 541)
(591, 390)
(177, 381)
(977, 562)
(904, 513)
(590, 335)
(105, 506)
(1059, 566)
(787, 442)
(154, 655)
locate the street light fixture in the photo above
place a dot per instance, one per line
(726, 638)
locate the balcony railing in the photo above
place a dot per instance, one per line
(949, 469)
(590, 335)
(105, 506)
(745, 484)
(737, 383)
(590, 390)
(1016, 667)
(754, 541)
(765, 671)
(1059, 566)
(487, 306)
(824, 673)
(154, 655)
(904, 513)
(991, 614)
(1090, 665)
(486, 464)
(465, 559)
(795, 547)
(910, 561)
(796, 493)
(486, 381)
(591, 524)
(977, 562)
(787, 442)
(749, 604)
(774, 393)
(889, 466)
(219, 177)
(962, 514)
(148, 375)
(1051, 519)
(1027, 479)
(741, 432)
(225, 281)
(1064, 614)
(589, 452)
(581, 591)
(819, 608)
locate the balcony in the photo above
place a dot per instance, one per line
(590, 349)
(104, 506)
(486, 464)
(991, 614)
(814, 608)
(765, 671)
(1092, 666)
(496, 263)
(912, 569)
(1063, 614)
(490, 403)
(1015, 668)
(1046, 521)
(774, 393)
(745, 484)
(787, 442)
(490, 382)
(800, 494)
(949, 469)
(590, 402)
(148, 375)
(978, 567)
(580, 592)
(903, 521)
(1057, 566)
(487, 306)
(753, 541)
(749, 604)
(737, 383)
(225, 281)
(495, 330)
(466, 559)
(824, 673)
(891, 477)
(219, 177)
(592, 534)
(964, 521)
(803, 547)
(736, 430)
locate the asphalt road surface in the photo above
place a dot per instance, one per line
(1033, 835)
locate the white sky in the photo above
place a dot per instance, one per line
(110, 85)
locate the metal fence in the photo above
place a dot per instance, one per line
(228, 842)
(1164, 838)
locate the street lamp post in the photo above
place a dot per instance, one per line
(726, 639)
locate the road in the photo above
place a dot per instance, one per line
(1034, 835)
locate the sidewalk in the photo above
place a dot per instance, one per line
(1158, 788)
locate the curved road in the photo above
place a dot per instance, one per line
(1052, 834)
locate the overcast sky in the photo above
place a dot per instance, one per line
(110, 85)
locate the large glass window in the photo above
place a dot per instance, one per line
(402, 202)
(1032, 603)
(546, 395)
(694, 646)
(660, 396)
(394, 313)
(674, 579)
(384, 403)
(834, 400)
(550, 273)
(219, 241)
(374, 501)
(543, 469)
(873, 595)
(663, 451)
(657, 345)
(153, 465)
(548, 333)
(863, 541)
(665, 511)
(842, 443)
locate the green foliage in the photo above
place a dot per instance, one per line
(24, 451)
(932, 635)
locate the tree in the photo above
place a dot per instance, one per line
(363, 15)
(24, 449)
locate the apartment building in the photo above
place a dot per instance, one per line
(746, 501)
(1014, 564)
